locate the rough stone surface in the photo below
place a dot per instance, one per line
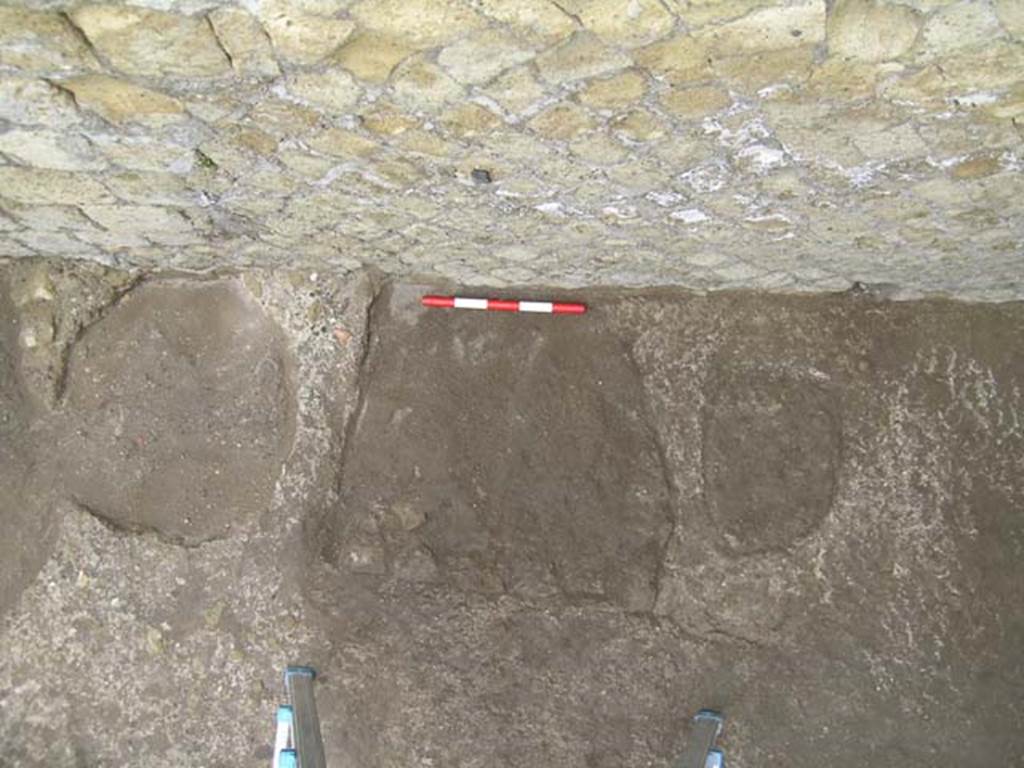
(504, 538)
(821, 143)
(120, 101)
(153, 43)
(245, 42)
(166, 443)
(867, 30)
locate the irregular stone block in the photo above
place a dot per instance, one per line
(37, 41)
(470, 120)
(693, 103)
(419, 84)
(515, 90)
(27, 101)
(45, 149)
(333, 90)
(139, 41)
(869, 30)
(680, 58)
(300, 37)
(592, 522)
(769, 29)
(580, 57)
(537, 20)
(617, 91)
(565, 121)
(958, 26)
(372, 57)
(184, 395)
(771, 452)
(629, 23)
(245, 42)
(420, 23)
(35, 185)
(640, 125)
(120, 101)
(480, 57)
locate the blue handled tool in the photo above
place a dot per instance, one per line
(298, 742)
(701, 752)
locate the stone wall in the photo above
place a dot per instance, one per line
(800, 145)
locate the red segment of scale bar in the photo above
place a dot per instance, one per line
(505, 305)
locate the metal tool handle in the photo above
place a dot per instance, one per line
(309, 745)
(699, 753)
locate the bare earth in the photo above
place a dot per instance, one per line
(505, 540)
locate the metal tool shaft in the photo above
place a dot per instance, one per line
(309, 743)
(706, 727)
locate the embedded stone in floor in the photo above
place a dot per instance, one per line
(513, 449)
(770, 455)
(185, 399)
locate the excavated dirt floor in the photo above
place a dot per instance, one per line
(505, 540)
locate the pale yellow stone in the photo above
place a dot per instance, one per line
(333, 90)
(539, 20)
(213, 107)
(963, 25)
(301, 37)
(425, 143)
(754, 71)
(258, 141)
(140, 41)
(387, 121)
(616, 91)
(48, 149)
(878, 141)
(640, 125)
(1011, 14)
(639, 177)
(28, 101)
(420, 23)
(997, 64)
(41, 42)
(119, 101)
(305, 165)
(282, 118)
(36, 185)
(48, 218)
(470, 120)
(580, 57)
(1010, 105)
(850, 79)
(564, 121)
(870, 30)
(149, 188)
(482, 56)
(515, 148)
(695, 103)
(397, 172)
(342, 143)
(628, 23)
(987, 68)
(419, 84)
(769, 29)
(697, 13)
(813, 132)
(515, 90)
(245, 41)
(598, 148)
(144, 153)
(977, 166)
(167, 226)
(372, 57)
(680, 58)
